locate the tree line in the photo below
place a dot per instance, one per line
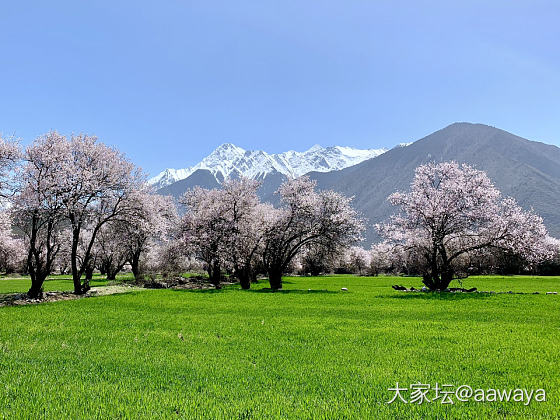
(73, 204)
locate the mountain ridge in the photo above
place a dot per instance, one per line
(527, 170)
(230, 161)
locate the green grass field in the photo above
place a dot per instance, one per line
(313, 354)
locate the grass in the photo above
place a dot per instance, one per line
(294, 354)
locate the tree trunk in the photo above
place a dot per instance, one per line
(36, 290)
(215, 274)
(438, 281)
(135, 267)
(244, 279)
(275, 279)
(111, 274)
(76, 275)
(89, 273)
(78, 289)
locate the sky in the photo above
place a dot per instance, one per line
(168, 81)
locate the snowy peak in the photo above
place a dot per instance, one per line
(230, 161)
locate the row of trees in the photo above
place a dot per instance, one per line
(75, 203)
(453, 222)
(230, 229)
(79, 202)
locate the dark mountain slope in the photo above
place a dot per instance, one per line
(201, 177)
(526, 170)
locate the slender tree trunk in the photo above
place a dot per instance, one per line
(135, 266)
(89, 273)
(78, 289)
(214, 272)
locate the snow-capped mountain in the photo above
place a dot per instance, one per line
(229, 161)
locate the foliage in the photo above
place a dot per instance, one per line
(452, 214)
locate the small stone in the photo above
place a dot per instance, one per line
(551, 293)
(344, 289)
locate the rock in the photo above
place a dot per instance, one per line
(425, 289)
(397, 287)
(551, 293)
(154, 284)
(344, 289)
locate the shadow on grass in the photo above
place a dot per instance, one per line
(236, 288)
(438, 296)
(291, 291)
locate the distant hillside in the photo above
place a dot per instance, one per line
(526, 170)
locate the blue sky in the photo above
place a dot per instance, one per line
(168, 81)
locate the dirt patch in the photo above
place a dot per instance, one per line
(16, 299)
(192, 283)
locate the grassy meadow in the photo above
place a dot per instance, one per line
(309, 351)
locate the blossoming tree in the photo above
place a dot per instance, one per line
(37, 209)
(453, 211)
(307, 217)
(93, 184)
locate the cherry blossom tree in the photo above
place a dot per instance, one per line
(205, 228)
(153, 224)
(306, 217)
(62, 261)
(126, 239)
(453, 211)
(316, 259)
(110, 252)
(94, 184)
(12, 248)
(225, 228)
(246, 221)
(9, 157)
(37, 210)
(357, 260)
